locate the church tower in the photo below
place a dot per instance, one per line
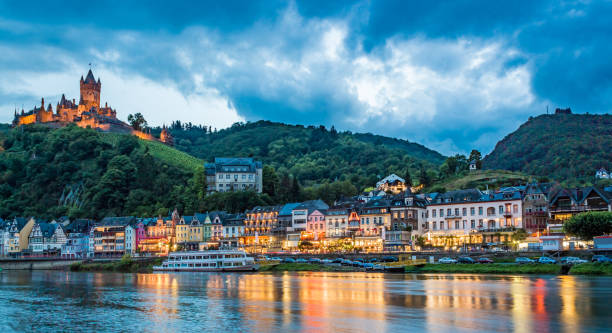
(90, 93)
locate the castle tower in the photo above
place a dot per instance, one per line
(90, 93)
(166, 137)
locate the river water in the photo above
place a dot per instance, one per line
(307, 302)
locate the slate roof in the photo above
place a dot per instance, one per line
(312, 205)
(80, 226)
(287, 208)
(47, 229)
(232, 164)
(117, 221)
(90, 77)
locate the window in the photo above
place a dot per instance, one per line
(227, 176)
(448, 212)
(220, 176)
(434, 226)
(456, 211)
(479, 210)
(441, 212)
(464, 211)
(433, 213)
(464, 224)
(515, 209)
(243, 176)
(456, 224)
(501, 209)
(480, 223)
(441, 225)
(251, 177)
(472, 211)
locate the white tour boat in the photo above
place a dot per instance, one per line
(208, 261)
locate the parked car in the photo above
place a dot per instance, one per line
(347, 262)
(389, 259)
(301, 261)
(373, 260)
(326, 261)
(288, 260)
(484, 260)
(359, 259)
(547, 260)
(447, 260)
(378, 267)
(600, 258)
(275, 259)
(572, 260)
(524, 260)
(314, 260)
(337, 261)
(368, 266)
(466, 260)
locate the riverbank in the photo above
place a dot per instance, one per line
(548, 269)
(303, 267)
(125, 265)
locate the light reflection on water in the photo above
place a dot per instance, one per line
(340, 302)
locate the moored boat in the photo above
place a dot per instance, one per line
(208, 261)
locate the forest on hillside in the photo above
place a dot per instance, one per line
(564, 147)
(313, 155)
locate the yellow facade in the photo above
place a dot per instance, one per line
(196, 233)
(182, 233)
(20, 241)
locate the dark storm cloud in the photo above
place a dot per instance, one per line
(452, 75)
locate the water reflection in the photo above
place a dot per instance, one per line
(341, 302)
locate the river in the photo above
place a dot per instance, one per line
(293, 302)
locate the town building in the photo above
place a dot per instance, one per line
(569, 202)
(233, 229)
(535, 206)
(18, 235)
(259, 224)
(375, 216)
(473, 218)
(283, 238)
(234, 174)
(46, 239)
(337, 222)
(392, 184)
(602, 173)
(77, 239)
(108, 236)
(315, 227)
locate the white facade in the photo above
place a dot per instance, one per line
(130, 240)
(336, 223)
(231, 231)
(464, 218)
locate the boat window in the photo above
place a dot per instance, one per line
(190, 265)
(198, 265)
(199, 257)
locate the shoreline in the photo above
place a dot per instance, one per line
(133, 266)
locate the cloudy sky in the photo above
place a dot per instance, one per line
(452, 76)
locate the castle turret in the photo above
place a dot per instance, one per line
(90, 93)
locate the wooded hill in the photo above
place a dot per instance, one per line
(564, 147)
(314, 155)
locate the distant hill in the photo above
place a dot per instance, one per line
(565, 147)
(313, 154)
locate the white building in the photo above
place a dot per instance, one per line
(336, 222)
(234, 174)
(472, 217)
(602, 174)
(130, 239)
(46, 237)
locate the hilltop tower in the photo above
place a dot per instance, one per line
(90, 93)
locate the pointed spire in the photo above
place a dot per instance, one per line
(90, 77)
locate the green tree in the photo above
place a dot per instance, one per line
(295, 190)
(408, 178)
(137, 121)
(476, 156)
(424, 177)
(588, 225)
(270, 181)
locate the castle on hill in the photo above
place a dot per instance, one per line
(87, 113)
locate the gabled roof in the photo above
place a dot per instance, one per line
(312, 205)
(47, 229)
(392, 178)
